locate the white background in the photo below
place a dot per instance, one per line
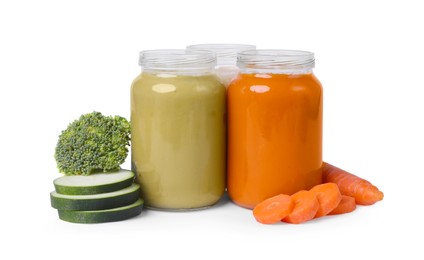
(60, 59)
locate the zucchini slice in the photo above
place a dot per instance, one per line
(93, 184)
(99, 201)
(102, 216)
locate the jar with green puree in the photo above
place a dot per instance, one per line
(178, 130)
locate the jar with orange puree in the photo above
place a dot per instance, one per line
(274, 126)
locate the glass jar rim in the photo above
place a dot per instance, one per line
(226, 52)
(276, 59)
(177, 60)
(222, 46)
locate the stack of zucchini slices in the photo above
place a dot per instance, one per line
(97, 198)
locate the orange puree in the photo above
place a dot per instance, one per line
(274, 136)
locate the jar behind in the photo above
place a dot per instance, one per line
(274, 126)
(226, 67)
(178, 130)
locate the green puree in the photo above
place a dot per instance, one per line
(178, 139)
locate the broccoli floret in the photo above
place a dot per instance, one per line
(93, 143)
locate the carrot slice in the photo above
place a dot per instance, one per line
(328, 195)
(346, 205)
(305, 208)
(351, 185)
(273, 209)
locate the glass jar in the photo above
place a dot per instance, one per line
(274, 126)
(226, 67)
(178, 130)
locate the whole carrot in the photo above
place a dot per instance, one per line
(351, 185)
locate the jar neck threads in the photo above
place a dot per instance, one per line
(176, 61)
(276, 61)
(226, 54)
